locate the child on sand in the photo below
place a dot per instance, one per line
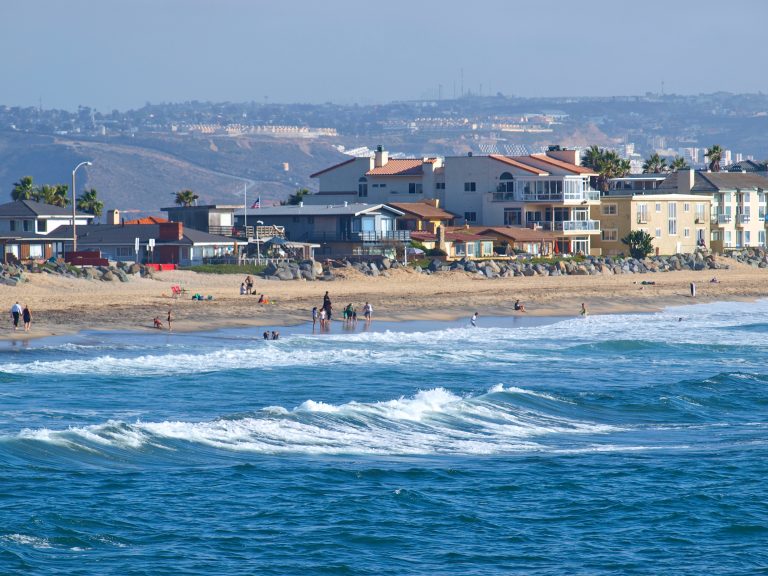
(158, 324)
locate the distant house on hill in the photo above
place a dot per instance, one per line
(34, 230)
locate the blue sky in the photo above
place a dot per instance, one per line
(120, 54)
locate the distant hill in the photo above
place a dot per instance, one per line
(140, 175)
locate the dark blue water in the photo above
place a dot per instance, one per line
(633, 444)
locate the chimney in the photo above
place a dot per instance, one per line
(381, 157)
(346, 204)
(441, 237)
(570, 156)
(301, 204)
(685, 180)
(171, 231)
(433, 202)
(113, 217)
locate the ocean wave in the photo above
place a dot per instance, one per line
(434, 421)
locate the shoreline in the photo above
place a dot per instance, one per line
(64, 307)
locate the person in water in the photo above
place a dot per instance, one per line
(473, 320)
(583, 309)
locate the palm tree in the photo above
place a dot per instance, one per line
(89, 203)
(655, 164)
(59, 197)
(295, 199)
(592, 157)
(679, 163)
(186, 198)
(44, 194)
(24, 189)
(714, 154)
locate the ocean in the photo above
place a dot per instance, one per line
(617, 444)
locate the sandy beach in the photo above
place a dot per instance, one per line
(63, 305)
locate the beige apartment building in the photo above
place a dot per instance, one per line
(678, 223)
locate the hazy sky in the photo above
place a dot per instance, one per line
(120, 54)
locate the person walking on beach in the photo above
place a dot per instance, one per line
(693, 289)
(327, 306)
(27, 317)
(170, 319)
(367, 312)
(314, 317)
(473, 320)
(583, 309)
(16, 314)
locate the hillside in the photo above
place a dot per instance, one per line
(140, 175)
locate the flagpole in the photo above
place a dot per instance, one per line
(245, 208)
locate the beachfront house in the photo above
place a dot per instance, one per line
(548, 191)
(422, 216)
(217, 219)
(165, 243)
(509, 240)
(338, 229)
(678, 223)
(34, 230)
(456, 242)
(738, 204)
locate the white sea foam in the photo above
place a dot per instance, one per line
(26, 540)
(431, 422)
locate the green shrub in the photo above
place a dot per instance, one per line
(225, 269)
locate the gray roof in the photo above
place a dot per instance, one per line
(350, 209)
(32, 209)
(715, 181)
(108, 234)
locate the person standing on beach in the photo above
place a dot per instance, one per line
(27, 317)
(327, 306)
(314, 317)
(693, 289)
(367, 311)
(16, 314)
(170, 318)
(583, 309)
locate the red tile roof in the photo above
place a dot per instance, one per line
(564, 165)
(339, 165)
(423, 210)
(399, 167)
(518, 233)
(517, 162)
(147, 220)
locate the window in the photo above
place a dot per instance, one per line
(506, 183)
(658, 207)
(42, 225)
(297, 219)
(745, 198)
(610, 209)
(761, 237)
(747, 237)
(362, 187)
(610, 234)
(686, 207)
(439, 185)
(658, 232)
(513, 216)
(27, 225)
(728, 240)
(686, 232)
(470, 216)
(13, 225)
(672, 218)
(700, 212)
(642, 213)
(414, 188)
(35, 250)
(470, 187)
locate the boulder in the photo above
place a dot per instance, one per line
(107, 276)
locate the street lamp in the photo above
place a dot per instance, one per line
(258, 250)
(74, 205)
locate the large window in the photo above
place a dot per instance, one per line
(439, 185)
(414, 188)
(470, 186)
(42, 225)
(362, 187)
(470, 216)
(513, 216)
(610, 209)
(610, 234)
(672, 218)
(642, 213)
(35, 250)
(506, 183)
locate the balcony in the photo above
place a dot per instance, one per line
(364, 237)
(502, 196)
(723, 219)
(568, 197)
(579, 226)
(742, 219)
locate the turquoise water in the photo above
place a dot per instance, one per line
(628, 444)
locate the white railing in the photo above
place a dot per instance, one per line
(578, 226)
(723, 218)
(742, 219)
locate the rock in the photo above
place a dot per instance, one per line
(134, 269)
(284, 274)
(107, 276)
(386, 263)
(373, 271)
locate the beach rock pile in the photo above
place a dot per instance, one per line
(289, 270)
(755, 257)
(17, 273)
(589, 266)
